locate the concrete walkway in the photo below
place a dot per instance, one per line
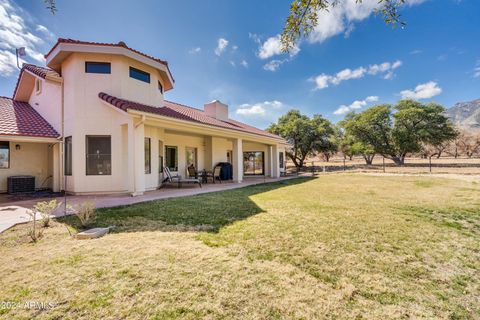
(15, 212)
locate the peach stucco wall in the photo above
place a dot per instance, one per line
(33, 159)
(86, 114)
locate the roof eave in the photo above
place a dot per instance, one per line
(206, 126)
(62, 50)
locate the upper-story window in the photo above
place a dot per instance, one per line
(98, 67)
(160, 87)
(38, 86)
(139, 75)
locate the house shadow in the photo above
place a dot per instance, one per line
(207, 212)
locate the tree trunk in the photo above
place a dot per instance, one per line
(399, 160)
(368, 159)
(351, 157)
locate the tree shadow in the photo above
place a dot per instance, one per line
(204, 212)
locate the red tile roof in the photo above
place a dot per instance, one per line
(182, 112)
(120, 44)
(42, 72)
(20, 119)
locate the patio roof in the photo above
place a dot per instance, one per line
(186, 113)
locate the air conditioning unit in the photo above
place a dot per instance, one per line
(20, 184)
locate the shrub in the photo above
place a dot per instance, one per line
(46, 210)
(85, 212)
(34, 233)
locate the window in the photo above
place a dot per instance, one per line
(280, 159)
(98, 67)
(68, 156)
(38, 86)
(148, 152)
(4, 154)
(171, 158)
(160, 87)
(99, 157)
(139, 75)
(253, 163)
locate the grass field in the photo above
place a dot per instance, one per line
(338, 246)
(464, 166)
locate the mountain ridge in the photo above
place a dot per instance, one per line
(466, 114)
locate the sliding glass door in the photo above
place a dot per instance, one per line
(253, 163)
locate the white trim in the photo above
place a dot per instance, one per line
(29, 139)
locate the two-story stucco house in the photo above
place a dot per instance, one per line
(95, 121)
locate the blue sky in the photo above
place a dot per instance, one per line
(228, 50)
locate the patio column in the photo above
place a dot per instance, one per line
(130, 158)
(139, 158)
(275, 162)
(237, 160)
(270, 161)
(56, 168)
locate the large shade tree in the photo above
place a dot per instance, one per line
(350, 145)
(306, 135)
(395, 131)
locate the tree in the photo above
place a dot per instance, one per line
(303, 17)
(468, 143)
(395, 134)
(306, 135)
(350, 145)
(325, 143)
(51, 5)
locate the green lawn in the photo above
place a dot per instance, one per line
(338, 246)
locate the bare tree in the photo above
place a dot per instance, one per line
(468, 143)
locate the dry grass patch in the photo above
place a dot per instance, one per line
(340, 246)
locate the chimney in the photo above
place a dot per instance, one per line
(217, 110)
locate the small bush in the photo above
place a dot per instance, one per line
(46, 210)
(85, 212)
(34, 233)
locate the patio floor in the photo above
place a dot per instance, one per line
(14, 211)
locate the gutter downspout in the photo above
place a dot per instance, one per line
(62, 149)
(134, 127)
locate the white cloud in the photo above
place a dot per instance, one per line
(45, 31)
(261, 114)
(422, 91)
(234, 48)
(274, 65)
(259, 109)
(255, 37)
(221, 46)
(232, 63)
(476, 70)
(244, 63)
(195, 50)
(17, 32)
(340, 19)
(416, 51)
(273, 47)
(323, 80)
(357, 104)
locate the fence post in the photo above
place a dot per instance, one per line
(430, 163)
(313, 168)
(344, 168)
(384, 164)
